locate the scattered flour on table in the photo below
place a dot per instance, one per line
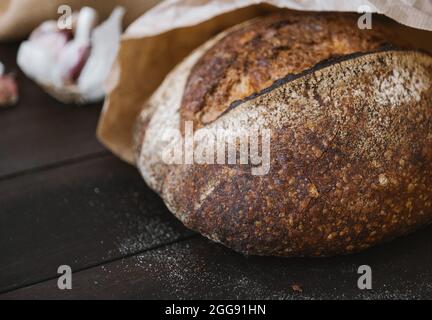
(210, 271)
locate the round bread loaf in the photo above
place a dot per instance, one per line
(349, 116)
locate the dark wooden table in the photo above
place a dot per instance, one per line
(65, 200)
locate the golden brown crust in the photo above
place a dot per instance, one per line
(351, 155)
(350, 164)
(253, 56)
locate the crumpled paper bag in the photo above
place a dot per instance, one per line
(19, 17)
(162, 37)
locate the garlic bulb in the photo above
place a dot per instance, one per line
(72, 65)
(8, 89)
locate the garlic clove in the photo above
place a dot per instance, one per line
(87, 20)
(36, 61)
(46, 27)
(105, 45)
(54, 41)
(37, 56)
(8, 89)
(70, 63)
(75, 53)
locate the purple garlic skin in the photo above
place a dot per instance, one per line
(8, 91)
(72, 65)
(70, 49)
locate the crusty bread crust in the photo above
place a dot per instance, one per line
(254, 55)
(351, 155)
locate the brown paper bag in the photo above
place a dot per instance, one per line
(19, 17)
(162, 37)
